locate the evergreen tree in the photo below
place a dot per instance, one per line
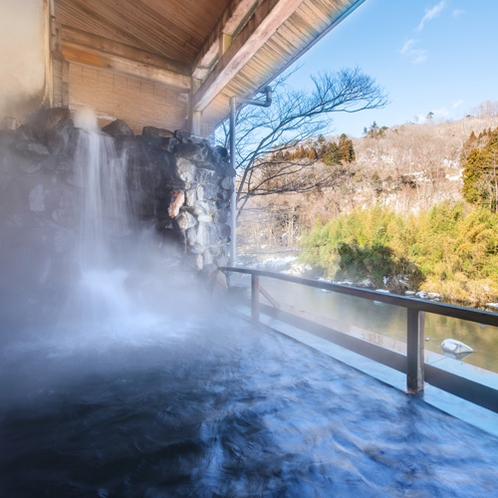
(480, 170)
(375, 131)
(331, 154)
(346, 149)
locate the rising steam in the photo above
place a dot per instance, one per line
(24, 55)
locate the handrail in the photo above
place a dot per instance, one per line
(470, 314)
(415, 368)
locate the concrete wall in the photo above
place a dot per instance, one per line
(25, 67)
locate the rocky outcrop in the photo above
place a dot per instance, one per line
(178, 184)
(184, 185)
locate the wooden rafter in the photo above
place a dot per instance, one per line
(86, 48)
(266, 19)
(234, 17)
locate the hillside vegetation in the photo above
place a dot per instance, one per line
(387, 214)
(450, 249)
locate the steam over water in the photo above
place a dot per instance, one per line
(192, 408)
(175, 398)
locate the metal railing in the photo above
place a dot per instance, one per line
(413, 365)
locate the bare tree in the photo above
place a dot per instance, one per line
(264, 135)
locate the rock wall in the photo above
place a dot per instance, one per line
(184, 185)
(178, 192)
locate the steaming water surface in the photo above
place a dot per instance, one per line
(120, 400)
(208, 407)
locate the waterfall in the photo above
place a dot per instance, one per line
(95, 224)
(100, 175)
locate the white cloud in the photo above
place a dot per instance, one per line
(416, 55)
(407, 47)
(431, 14)
(458, 103)
(419, 56)
(458, 12)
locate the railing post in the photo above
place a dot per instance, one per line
(415, 351)
(255, 297)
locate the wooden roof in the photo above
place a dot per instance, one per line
(212, 49)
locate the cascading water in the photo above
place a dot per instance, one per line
(100, 174)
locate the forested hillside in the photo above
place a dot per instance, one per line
(406, 168)
(414, 208)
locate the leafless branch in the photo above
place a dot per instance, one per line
(294, 117)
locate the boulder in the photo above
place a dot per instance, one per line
(118, 129)
(151, 133)
(185, 221)
(192, 152)
(47, 119)
(186, 170)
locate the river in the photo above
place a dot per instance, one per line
(388, 321)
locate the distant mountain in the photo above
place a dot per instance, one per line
(414, 166)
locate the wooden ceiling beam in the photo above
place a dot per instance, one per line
(84, 39)
(128, 66)
(264, 22)
(233, 18)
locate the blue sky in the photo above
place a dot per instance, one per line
(435, 56)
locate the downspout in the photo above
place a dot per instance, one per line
(234, 101)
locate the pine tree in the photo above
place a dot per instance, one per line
(480, 171)
(346, 149)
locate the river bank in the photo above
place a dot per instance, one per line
(288, 262)
(373, 321)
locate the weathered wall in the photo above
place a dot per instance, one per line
(25, 81)
(30, 79)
